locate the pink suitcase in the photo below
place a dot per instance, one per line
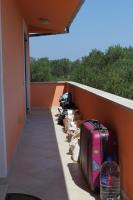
(96, 144)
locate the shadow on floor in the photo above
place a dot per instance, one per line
(37, 169)
(77, 176)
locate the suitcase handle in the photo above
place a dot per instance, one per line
(97, 125)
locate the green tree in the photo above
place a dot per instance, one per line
(111, 70)
(40, 70)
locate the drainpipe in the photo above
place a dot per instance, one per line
(47, 34)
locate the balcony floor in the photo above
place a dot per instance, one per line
(42, 166)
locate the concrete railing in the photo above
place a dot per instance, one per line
(114, 111)
(46, 94)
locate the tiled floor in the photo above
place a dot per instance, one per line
(3, 188)
(42, 166)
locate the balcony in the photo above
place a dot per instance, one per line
(42, 166)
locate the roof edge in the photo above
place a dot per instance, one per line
(75, 13)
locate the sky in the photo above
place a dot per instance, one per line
(98, 25)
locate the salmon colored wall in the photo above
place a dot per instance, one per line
(119, 119)
(46, 94)
(59, 13)
(13, 58)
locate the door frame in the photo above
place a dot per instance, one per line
(26, 74)
(3, 151)
(26, 69)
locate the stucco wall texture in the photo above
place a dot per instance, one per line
(13, 62)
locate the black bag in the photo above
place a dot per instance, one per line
(60, 120)
(61, 117)
(66, 100)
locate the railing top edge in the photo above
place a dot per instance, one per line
(108, 96)
(48, 82)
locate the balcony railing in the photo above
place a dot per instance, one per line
(113, 111)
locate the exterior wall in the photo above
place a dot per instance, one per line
(13, 61)
(3, 159)
(46, 94)
(118, 118)
(27, 69)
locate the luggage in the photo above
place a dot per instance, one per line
(96, 143)
(61, 117)
(75, 152)
(66, 101)
(64, 113)
(60, 110)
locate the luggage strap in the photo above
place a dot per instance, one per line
(97, 124)
(104, 144)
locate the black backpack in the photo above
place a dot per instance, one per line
(66, 100)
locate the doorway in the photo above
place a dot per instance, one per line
(26, 75)
(3, 154)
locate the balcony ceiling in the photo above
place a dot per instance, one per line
(49, 16)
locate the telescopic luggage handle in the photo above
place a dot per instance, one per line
(97, 124)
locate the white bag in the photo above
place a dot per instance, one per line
(69, 120)
(60, 110)
(73, 144)
(75, 153)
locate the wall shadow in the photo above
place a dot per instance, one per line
(79, 180)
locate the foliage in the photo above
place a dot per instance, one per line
(111, 71)
(40, 70)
